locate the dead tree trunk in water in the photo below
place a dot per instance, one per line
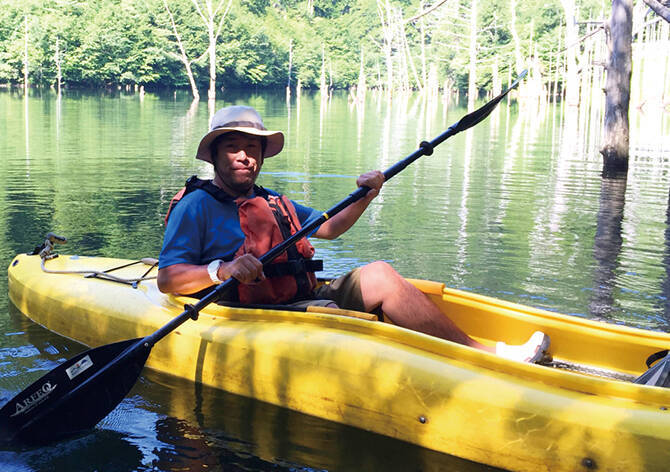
(184, 57)
(472, 72)
(515, 36)
(571, 83)
(59, 76)
(208, 14)
(617, 89)
(290, 66)
(385, 17)
(25, 57)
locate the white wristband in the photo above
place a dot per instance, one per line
(213, 270)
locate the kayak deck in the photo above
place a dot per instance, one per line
(387, 379)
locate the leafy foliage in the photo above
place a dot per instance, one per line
(125, 42)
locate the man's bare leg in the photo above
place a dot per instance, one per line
(407, 306)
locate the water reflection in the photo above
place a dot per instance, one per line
(359, 105)
(607, 245)
(202, 427)
(211, 107)
(103, 450)
(58, 115)
(323, 108)
(26, 117)
(185, 447)
(568, 152)
(463, 211)
(666, 260)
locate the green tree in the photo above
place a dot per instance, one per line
(125, 42)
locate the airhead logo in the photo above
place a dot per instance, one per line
(80, 366)
(35, 399)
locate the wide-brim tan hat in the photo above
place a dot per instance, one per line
(244, 120)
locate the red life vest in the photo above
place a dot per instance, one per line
(267, 220)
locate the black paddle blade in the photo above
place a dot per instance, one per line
(426, 149)
(658, 375)
(74, 396)
(468, 121)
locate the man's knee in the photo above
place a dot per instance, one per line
(380, 274)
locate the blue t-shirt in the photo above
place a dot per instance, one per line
(201, 229)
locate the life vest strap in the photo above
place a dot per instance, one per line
(293, 267)
(193, 183)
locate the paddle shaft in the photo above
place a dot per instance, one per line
(425, 149)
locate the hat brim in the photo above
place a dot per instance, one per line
(274, 145)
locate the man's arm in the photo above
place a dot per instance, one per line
(345, 219)
(189, 278)
(183, 278)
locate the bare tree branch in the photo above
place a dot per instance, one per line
(581, 40)
(656, 19)
(223, 17)
(660, 9)
(425, 12)
(199, 10)
(200, 59)
(184, 56)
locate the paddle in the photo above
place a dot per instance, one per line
(77, 394)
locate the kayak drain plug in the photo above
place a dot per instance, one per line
(589, 463)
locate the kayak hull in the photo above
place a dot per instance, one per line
(386, 379)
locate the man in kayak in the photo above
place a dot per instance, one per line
(218, 229)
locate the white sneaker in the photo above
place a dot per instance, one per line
(532, 351)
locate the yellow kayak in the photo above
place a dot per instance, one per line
(580, 412)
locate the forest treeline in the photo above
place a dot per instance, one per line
(100, 43)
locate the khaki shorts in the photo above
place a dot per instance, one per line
(344, 291)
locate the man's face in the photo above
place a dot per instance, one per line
(239, 158)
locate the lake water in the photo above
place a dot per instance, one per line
(515, 208)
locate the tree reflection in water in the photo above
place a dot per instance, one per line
(607, 245)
